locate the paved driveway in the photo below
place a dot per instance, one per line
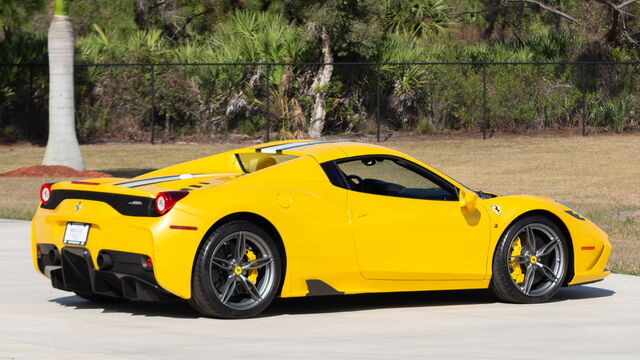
(38, 322)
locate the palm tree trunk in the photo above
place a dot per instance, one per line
(318, 90)
(62, 146)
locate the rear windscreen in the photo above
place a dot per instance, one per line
(251, 162)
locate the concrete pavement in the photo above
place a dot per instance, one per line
(598, 321)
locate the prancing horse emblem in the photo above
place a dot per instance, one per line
(78, 206)
(496, 209)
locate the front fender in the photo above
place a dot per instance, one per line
(591, 246)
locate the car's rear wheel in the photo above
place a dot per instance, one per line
(237, 272)
(530, 262)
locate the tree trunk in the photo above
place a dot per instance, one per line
(62, 145)
(318, 111)
(140, 14)
(612, 34)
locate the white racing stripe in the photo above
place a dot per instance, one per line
(161, 179)
(276, 148)
(267, 150)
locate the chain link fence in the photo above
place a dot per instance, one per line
(152, 102)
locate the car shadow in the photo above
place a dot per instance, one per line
(341, 303)
(581, 292)
(360, 302)
(329, 304)
(173, 308)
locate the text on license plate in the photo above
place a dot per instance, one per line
(76, 233)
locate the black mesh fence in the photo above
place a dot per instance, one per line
(155, 102)
(24, 100)
(521, 97)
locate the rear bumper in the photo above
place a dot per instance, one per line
(73, 270)
(172, 249)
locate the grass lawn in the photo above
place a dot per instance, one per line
(600, 176)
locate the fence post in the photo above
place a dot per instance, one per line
(153, 104)
(29, 101)
(268, 103)
(378, 102)
(484, 101)
(584, 99)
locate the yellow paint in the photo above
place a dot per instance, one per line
(354, 242)
(252, 274)
(516, 269)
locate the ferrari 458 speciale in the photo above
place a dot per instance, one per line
(230, 232)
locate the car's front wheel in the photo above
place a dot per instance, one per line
(530, 261)
(237, 272)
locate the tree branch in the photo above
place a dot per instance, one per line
(160, 3)
(613, 33)
(549, 9)
(617, 8)
(470, 13)
(629, 2)
(193, 16)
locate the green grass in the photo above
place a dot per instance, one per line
(600, 176)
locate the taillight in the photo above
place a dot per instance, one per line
(45, 193)
(148, 264)
(167, 199)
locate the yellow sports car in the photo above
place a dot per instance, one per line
(232, 231)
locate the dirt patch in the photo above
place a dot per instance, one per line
(53, 171)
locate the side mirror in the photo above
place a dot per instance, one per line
(468, 200)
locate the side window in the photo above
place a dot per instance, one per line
(392, 177)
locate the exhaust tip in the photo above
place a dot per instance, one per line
(54, 256)
(104, 261)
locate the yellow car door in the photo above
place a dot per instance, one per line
(408, 224)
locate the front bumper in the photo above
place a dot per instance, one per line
(591, 251)
(71, 269)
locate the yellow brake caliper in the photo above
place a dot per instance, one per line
(516, 270)
(253, 274)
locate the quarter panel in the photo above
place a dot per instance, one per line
(309, 213)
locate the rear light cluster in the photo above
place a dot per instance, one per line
(164, 202)
(45, 190)
(148, 264)
(45, 193)
(167, 199)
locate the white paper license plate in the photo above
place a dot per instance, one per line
(76, 233)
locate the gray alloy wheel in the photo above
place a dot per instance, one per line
(531, 261)
(541, 256)
(237, 271)
(242, 270)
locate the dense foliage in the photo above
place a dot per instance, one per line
(213, 99)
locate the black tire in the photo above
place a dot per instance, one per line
(223, 288)
(101, 299)
(542, 275)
